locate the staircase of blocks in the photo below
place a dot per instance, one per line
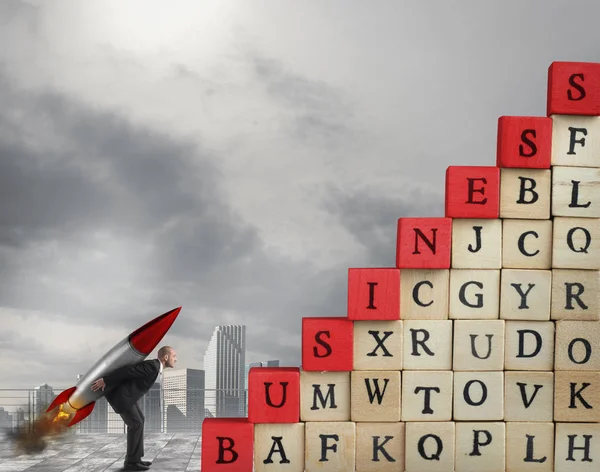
(480, 350)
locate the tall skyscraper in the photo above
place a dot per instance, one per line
(43, 395)
(224, 363)
(183, 393)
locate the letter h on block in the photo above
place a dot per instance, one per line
(472, 192)
(424, 243)
(327, 344)
(227, 445)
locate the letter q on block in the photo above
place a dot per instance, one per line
(327, 344)
(472, 192)
(374, 294)
(274, 395)
(227, 445)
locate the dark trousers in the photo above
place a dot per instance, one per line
(134, 419)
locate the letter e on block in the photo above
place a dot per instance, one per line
(274, 395)
(424, 243)
(327, 344)
(524, 142)
(227, 445)
(573, 89)
(472, 192)
(374, 294)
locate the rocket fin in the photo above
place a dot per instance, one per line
(61, 398)
(82, 414)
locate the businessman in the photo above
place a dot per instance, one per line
(124, 387)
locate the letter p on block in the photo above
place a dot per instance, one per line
(274, 395)
(227, 445)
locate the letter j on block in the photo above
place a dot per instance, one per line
(327, 344)
(573, 89)
(227, 445)
(374, 294)
(472, 192)
(424, 243)
(274, 395)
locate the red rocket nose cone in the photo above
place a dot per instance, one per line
(147, 337)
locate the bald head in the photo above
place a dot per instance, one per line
(167, 355)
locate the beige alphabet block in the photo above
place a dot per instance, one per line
(380, 447)
(575, 141)
(576, 243)
(478, 396)
(427, 395)
(324, 396)
(478, 345)
(375, 395)
(525, 193)
(427, 345)
(577, 346)
(430, 446)
(575, 295)
(576, 192)
(529, 345)
(526, 244)
(529, 447)
(330, 446)
(476, 243)
(480, 446)
(474, 294)
(424, 294)
(577, 447)
(576, 397)
(525, 294)
(279, 446)
(529, 396)
(378, 345)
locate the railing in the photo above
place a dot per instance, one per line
(166, 410)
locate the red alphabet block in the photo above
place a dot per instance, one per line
(374, 294)
(274, 395)
(472, 192)
(524, 142)
(573, 89)
(424, 243)
(227, 445)
(327, 344)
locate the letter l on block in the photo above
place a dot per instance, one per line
(424, 243)
(227, 445)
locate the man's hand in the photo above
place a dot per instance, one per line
(98, 384)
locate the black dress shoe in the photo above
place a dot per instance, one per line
(146, 463)
(135, 466)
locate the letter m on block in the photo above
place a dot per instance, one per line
(424, 243)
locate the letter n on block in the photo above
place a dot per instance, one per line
(573, 89)
(327, 344)
(274, 395)
(472, 192)
(424, 243)
(374, 294)
(524, 142)
(227, 445)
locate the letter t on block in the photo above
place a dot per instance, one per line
(327, 344)
(472, 192)
(524, 142)
(227, 445)
(274, 395)
(374, 294)
(424, 243)
(573, 89)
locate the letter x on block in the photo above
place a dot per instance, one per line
(423, 243)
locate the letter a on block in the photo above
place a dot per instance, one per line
(573, 89)
(374, 294)
(274, 395)
(227, 445)
(472, 192)
(424, 243)
(524, 142)
(327, 344)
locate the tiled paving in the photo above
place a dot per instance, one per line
(104, 452)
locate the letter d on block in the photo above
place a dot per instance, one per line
(227, 445)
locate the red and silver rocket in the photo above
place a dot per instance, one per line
(80, 400)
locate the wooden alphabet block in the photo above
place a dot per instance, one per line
(480, 446)
(380, 447)
(375, 396)
(528, 396)
(576, 141)
(374, 294)
(573, 88)
(478, 345)
(279, 447)
(476, 244)
(424, 243)
(227, 445)
(525, 294)
(427, 395)
(330, 446)
(525, 194)
(424, 294)
(576, 192)
(576, 397)
(430, 446)
(274, 395)
(575, 295)
(472, 191)
(478, 396)
(576, 447)
(327, 344)
(378, 345)
(427, 345)
(529, 345)
(324, 396)
(577, 345)
(474, 294)
(576, 243)
(529, 447)
(524, 142)
(526, 244)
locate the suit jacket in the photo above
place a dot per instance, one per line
(125, 386)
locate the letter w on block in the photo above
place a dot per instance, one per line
(423, 243)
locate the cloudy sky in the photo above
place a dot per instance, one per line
(236, 158)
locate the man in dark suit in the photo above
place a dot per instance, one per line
(124, 387)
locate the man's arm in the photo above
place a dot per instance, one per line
(136, 371)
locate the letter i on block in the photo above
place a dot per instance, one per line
(472, 192)
(227, 445)
(573, 89)
(524, 142)
(327, 344)
(374, 294)
(424, 243)
(274, 395)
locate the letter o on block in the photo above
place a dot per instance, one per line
(227, 445)
(274, 395)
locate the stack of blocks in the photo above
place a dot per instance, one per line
(480, 350)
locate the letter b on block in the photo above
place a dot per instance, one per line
(274, 395)
(374, 294)
(227, 445)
